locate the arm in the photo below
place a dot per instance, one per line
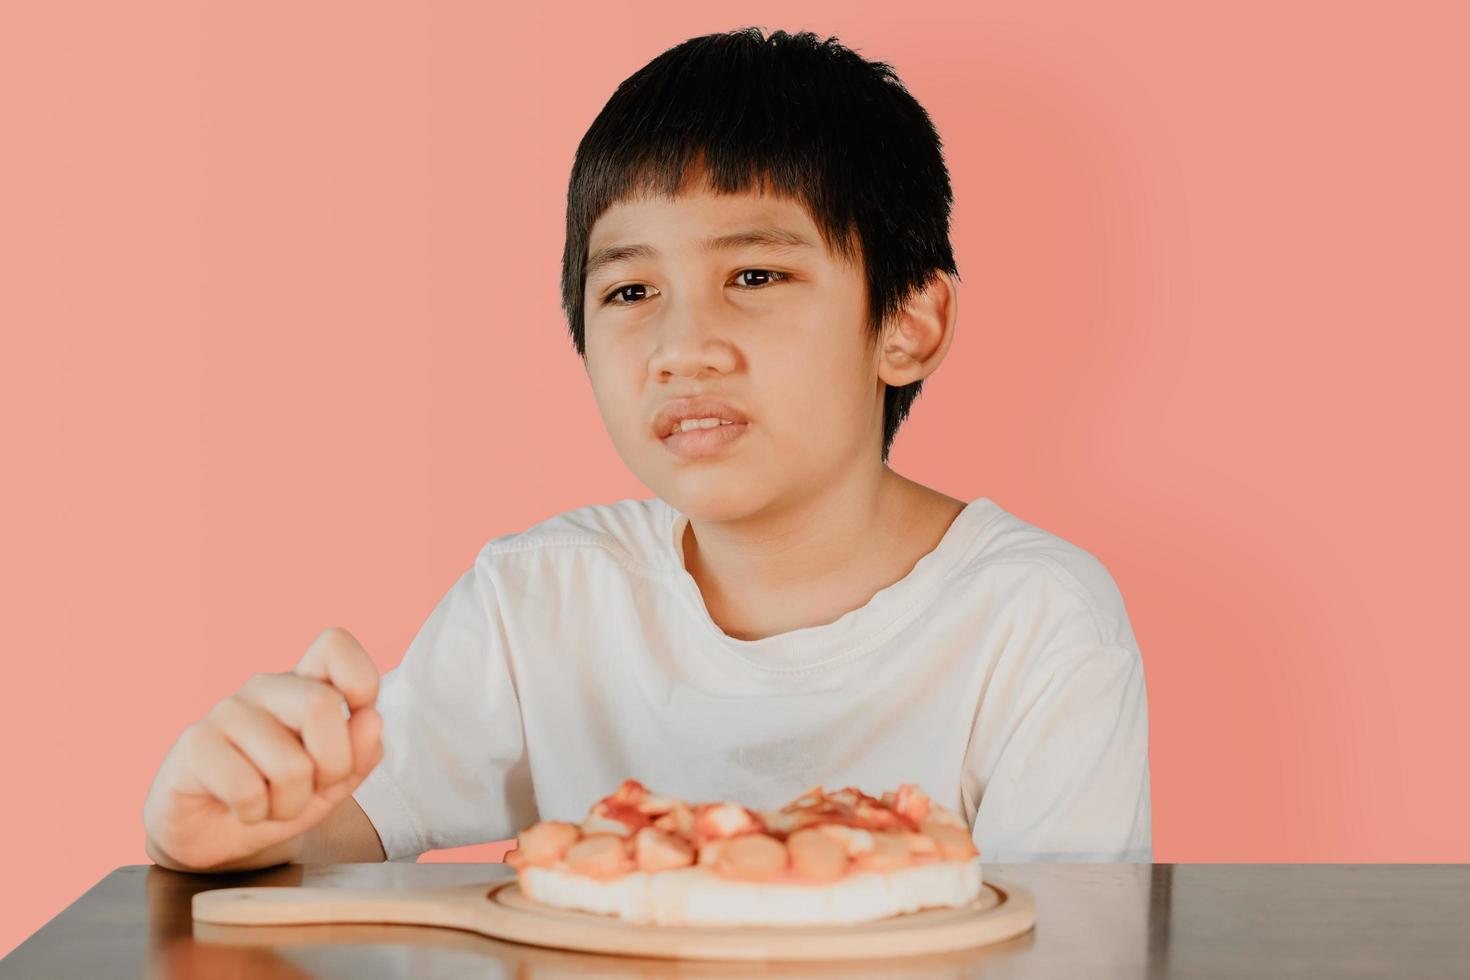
(1070, 781)
(345, 836)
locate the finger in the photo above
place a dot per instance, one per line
(367, 753)
(227, 775)
(336, 657)
(273, 749)
(365, 729)
(313, 709)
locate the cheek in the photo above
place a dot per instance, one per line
(607, 384)
(619, 400)
(811, 389)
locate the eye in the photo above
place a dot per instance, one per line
(770, 276)
(613, 298)
(634, 293)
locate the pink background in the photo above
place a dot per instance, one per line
(282, 350)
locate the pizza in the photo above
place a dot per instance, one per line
(822, 859)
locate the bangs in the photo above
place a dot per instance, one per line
(707, 152)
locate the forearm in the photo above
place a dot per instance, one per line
(282, 853)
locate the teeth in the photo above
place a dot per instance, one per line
(688, 424)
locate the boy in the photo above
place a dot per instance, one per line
(758, 277)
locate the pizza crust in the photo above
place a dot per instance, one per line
(825, 859)
(696, 896)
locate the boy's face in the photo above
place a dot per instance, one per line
(778, 332)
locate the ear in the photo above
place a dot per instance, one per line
(918, 336)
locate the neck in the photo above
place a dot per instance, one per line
(807, 561)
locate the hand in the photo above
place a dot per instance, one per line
(270, 761)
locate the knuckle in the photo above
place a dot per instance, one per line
(298, 768)
(196, 736)
(333, 637)
(250, 799)
(326, 704)
(222, 710)
(188, 742)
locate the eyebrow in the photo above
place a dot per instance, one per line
(768, 236)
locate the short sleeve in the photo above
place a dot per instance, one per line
(1071, 783)
(454, 766)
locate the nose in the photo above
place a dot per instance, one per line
(692, 339)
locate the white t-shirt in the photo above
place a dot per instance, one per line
(1000, 674)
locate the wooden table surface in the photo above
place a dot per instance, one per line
(1092, 920)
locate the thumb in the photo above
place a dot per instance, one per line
(367, 752)
(364, 733)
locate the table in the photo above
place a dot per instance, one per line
(1093, 920)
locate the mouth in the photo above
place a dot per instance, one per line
(700, 425)
(697, 442)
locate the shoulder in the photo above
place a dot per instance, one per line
(1044, 568)
(629, 533)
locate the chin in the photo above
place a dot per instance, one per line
(712, 497)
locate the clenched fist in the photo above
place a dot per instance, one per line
(241, 786)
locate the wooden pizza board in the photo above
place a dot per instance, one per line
(501, 910)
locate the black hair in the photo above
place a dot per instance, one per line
(801, 117)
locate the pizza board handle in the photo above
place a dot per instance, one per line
(283, 906)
